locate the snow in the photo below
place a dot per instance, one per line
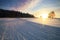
(29, 29)
(52, 22)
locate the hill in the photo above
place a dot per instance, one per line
(14, 14)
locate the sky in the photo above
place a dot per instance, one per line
(35, 7)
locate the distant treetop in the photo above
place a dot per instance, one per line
(51, 14)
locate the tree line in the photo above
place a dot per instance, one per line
(13, 14)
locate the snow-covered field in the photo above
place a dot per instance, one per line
(52, 22)
(29, 29)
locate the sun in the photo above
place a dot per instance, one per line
(44, 16)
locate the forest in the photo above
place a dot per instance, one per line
(14, 14)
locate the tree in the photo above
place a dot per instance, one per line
(51, 14)
(14, 14)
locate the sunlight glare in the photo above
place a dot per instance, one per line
(44, 16)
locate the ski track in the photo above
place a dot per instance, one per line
(21, 29)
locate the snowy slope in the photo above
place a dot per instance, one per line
(21, 29)
(51, 22)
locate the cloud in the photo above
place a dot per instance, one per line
(20, 5)
(26, 5)
(29, 5)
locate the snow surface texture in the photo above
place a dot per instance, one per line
(52, 22)
(29, 29)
